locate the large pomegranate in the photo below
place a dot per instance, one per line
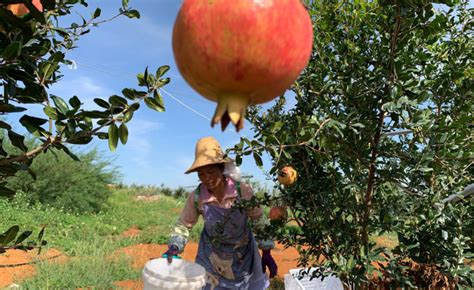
(21, 10)
(241, 52)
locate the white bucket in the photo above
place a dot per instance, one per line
(292, 282)
(180, 274)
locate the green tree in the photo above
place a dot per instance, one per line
(79, 187)
(33, 48)
(380, 133)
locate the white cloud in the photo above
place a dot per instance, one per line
(143, 127)
(85, 88)
(139, 144)
(159, 33)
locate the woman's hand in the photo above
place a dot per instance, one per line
(172, 252)
(268, 261)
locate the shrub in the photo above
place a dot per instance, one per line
(63, 183)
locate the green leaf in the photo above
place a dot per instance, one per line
(41, 234)
(153, 104)
(238, 160)
(258, 159)
(60, 104)
(79, 140)
(8, 108)
(68, 152)
(95, 114)
(159, 100)
(161, 71)
(123, 133)
(75, 102)
(144, 78)
(162, 82)
(32, 124)
(71, 126)
(118, 101)
(96, 13)
(394, 92)
(12, 51)
(125, 3)
(4, 125)
(23, 236)
(51, 112)
(2, 151)
(49, 67)
(17, 140)
(102, 103)
(132, 13)
(113, 137)
(9, 235)
(127, 116)
(130, 94)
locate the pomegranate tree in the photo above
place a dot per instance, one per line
(241, 52)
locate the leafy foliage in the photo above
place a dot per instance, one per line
(14, 239)
(62, 183)
(380, 132)
(33, 48)
(91, 239)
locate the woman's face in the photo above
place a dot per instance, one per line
(211, 176)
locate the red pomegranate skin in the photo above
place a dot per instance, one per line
(249, 49)
(20, 10)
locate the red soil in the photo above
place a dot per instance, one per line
(9, 273)
(132, 232)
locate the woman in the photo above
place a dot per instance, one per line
(227, 248)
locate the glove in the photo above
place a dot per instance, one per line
(268, 261)
(171, 253)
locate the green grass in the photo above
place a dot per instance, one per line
(95, 269)
(89, 240)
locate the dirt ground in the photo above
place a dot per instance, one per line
(16, 265)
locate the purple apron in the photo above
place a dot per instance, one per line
(228, 251)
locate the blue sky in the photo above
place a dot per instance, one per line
(160, 145)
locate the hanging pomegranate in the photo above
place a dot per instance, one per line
(20, 10)
(241, 52)
(278, 213)
(287, 176)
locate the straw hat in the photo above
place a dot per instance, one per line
(208, 151)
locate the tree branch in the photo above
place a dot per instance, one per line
(378, 134)
(29, 154)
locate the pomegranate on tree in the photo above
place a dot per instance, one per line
(287, 176)
(21, 10)
(278, 213)
(241, 52)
